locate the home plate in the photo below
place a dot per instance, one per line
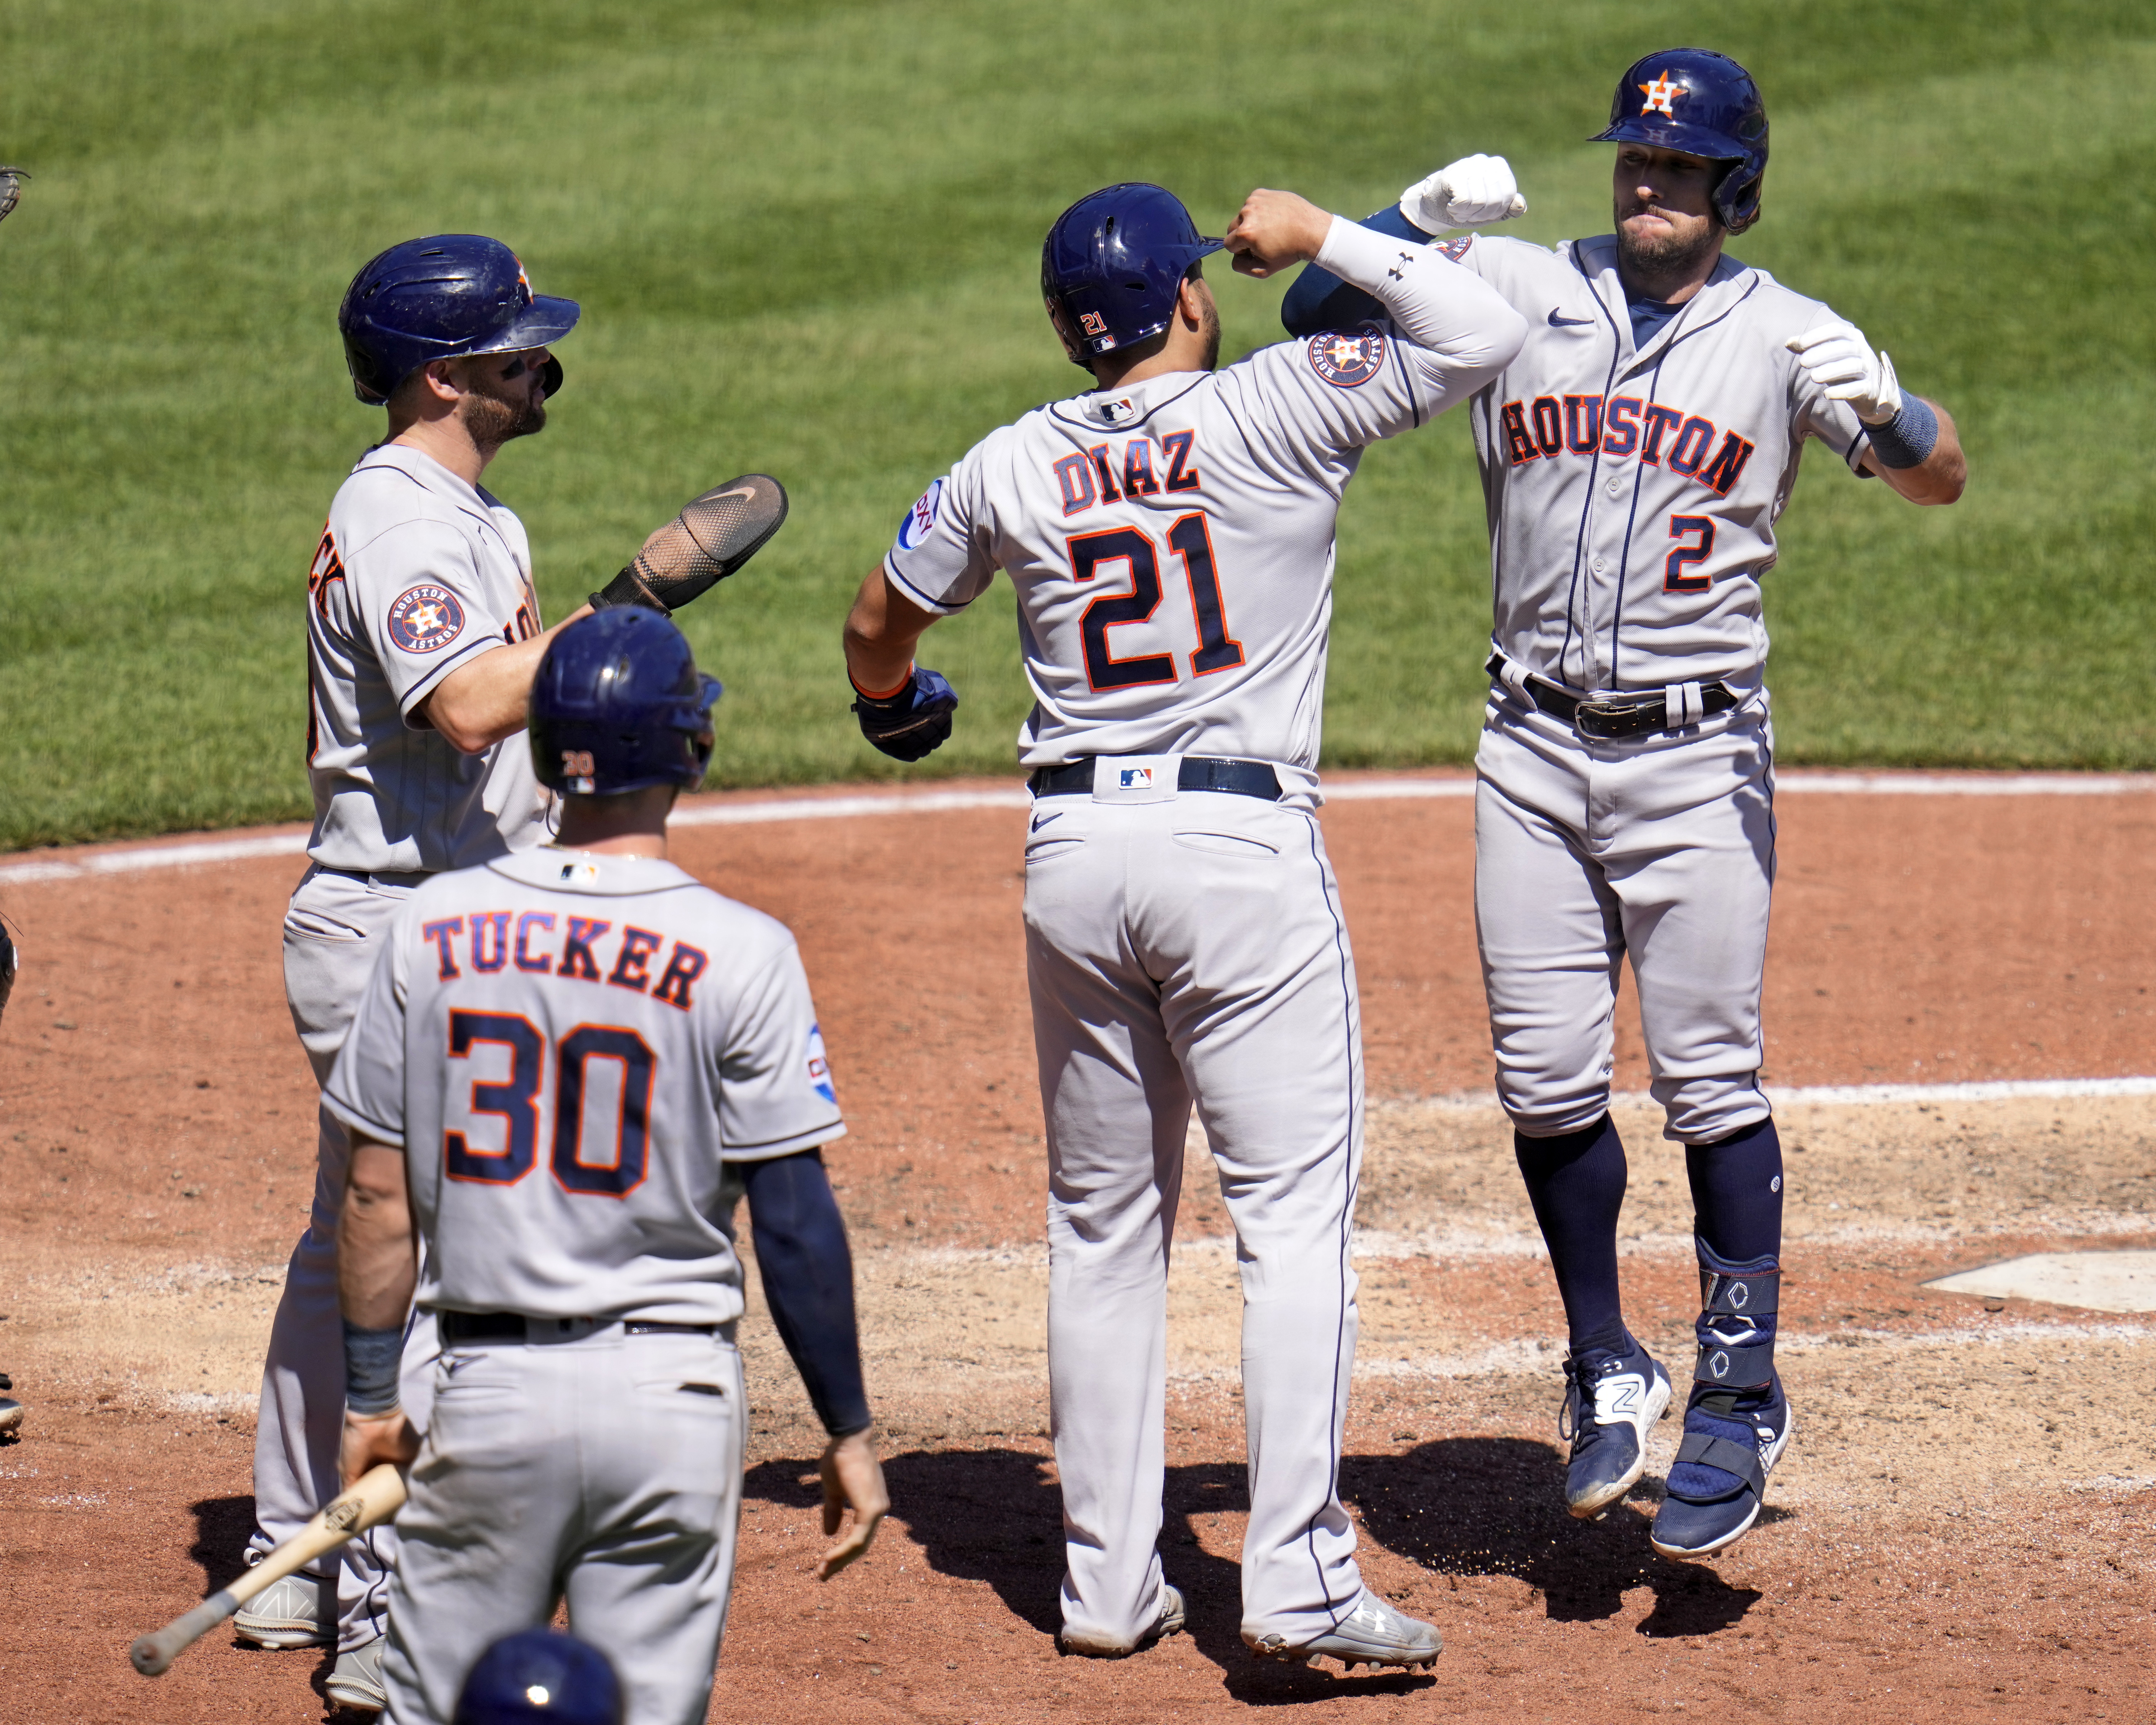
(2096, 1281)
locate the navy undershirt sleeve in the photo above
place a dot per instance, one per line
(1318, 300)
(809, 1281)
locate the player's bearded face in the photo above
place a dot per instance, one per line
(503, 398)
(1664, 211)
(1208, 326)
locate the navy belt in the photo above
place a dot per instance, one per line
(460, 1327)
(1618, 715)
(1197, 772)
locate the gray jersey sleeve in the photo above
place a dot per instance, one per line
(1447, 333)
(942, 558)
(775, 1090)
(419, 596)
(365, 1088)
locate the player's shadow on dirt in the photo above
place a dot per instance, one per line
(1496, 1506)
(996, 1516)
(223, 1526)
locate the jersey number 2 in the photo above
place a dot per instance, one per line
(1189, 540)
(515, 1101)
(1699, 529)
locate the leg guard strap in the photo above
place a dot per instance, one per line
(1741, 1459)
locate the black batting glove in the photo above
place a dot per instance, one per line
(912, 723)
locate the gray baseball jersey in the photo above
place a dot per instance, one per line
(417, 573)
(1172, 542)
(565, 1045)
(1633, 494)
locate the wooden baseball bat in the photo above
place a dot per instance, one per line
(375, 1496)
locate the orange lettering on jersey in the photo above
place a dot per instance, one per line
(1728, 463)
(1075, 474)
(1182, 477)
(683, 968)
(577, 959)
(1109, 494)
(1583, 423)
(539, 963)
(327, 566)
(1138, 469)
(484, 922)
(1621, 436)
(1657, 424)
(1519, 447)
(439, 934)
(637, 946)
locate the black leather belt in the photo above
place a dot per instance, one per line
(1620, 716)
(1197, 772)
(460, 1327)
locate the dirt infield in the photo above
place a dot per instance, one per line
(1960, 1531)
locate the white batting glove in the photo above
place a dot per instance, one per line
(1470, 192)
(1837, 356)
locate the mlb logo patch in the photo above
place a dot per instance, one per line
(1134, 778)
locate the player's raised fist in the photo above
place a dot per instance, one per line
(1470, 192)
(1836, 355)
(1273, 230)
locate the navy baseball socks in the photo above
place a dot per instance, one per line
(1736, 1422)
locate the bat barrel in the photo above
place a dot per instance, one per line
(152, 1654)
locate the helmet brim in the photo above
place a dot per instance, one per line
(546, 320)
(1667, 134)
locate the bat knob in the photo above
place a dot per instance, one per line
(150, 1656)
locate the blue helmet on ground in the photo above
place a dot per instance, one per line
(1112, 265)
(1704, 104)
(440, 298)
(618, 705)
(541, 1677)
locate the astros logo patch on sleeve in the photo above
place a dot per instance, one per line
(425, 619)
(1346, 357)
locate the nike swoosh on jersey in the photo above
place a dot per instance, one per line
(1557, 323)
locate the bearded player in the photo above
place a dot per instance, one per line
(1635, 456)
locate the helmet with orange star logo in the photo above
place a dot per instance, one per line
(1704, 104)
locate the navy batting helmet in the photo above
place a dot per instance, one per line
(1704, 104)
(540, 1677)
(1113, 263)
(618, 704)
(438, 299)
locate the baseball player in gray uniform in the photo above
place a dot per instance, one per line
(423, 633)
(1635, 456)
(1170, 535)
(554, 1052)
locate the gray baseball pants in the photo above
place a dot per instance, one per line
(1180, 947)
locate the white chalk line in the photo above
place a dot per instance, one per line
(929, 802)
(1834, 1095)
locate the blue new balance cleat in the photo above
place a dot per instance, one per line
(1736, 1420)
(1610, 1399)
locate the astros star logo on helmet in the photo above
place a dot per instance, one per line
(1661, 95)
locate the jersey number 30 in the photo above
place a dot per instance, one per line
(1188, 540)
(515, 1101)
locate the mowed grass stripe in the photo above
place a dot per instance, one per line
(806, 237)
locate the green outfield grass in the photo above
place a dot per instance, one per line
(805, 237)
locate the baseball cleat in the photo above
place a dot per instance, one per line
(1168, 1622)
(10, 1410)
(357, 1681)
(1719, 1482)
(1372, 1633)
(1610, 1400)
(298, 1611)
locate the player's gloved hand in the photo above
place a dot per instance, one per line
(852, 1480)
(912, 721)
(1836, 355)
(1470, 192)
